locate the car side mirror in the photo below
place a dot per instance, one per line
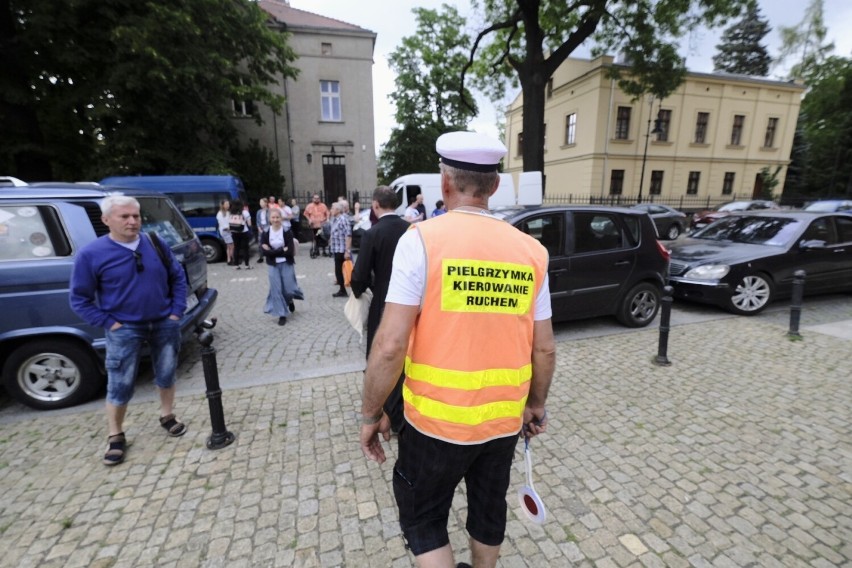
(811, 244)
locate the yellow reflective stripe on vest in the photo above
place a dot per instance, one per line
(468, 415)
(468, 380)
(486, 286)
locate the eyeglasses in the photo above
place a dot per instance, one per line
(137, 256)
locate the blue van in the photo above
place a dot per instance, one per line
(49, 357)
(197, 197)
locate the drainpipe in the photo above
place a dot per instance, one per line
(606, 135)
(289, 140)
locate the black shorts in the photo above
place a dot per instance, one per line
(425, 478)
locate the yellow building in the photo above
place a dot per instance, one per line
(717, 132)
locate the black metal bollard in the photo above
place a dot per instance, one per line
(665, 319)
(220, 436)
(796, 304)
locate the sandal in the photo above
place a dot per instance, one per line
(115, 451)
(173, 426)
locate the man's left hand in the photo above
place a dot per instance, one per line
(174, 317)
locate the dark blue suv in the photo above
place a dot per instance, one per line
(49, 357)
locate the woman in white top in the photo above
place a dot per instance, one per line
(239, 222)
(276, 244)
(225, 229)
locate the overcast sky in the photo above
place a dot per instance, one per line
(393, 20)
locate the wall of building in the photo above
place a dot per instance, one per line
(299, 132)
(583, 169)
(350, 62)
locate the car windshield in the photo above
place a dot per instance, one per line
(771, 231)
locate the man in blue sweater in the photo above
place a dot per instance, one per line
(120, 283)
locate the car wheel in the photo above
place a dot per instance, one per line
(673, 232)
(213, 250)
(639, 306)
(49, 374)
(751, 295)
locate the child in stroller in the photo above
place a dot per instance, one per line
(322, 236)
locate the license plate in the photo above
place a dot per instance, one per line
(191, 302)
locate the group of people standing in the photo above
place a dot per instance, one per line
(276, 224)
(458, 376)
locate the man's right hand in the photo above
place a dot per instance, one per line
(371, 445)
(115, 326)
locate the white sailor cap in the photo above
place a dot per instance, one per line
(470, 151)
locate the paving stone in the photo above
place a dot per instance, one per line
(641, 466)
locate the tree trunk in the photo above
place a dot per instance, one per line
(533, 91)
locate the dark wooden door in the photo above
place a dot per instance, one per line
(758, 187)
(334, 177)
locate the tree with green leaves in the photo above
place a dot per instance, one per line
(741, 51)
(427, 66)
(823, 158)
(99, 87)
(805, 43)
(528, 40)
(258, 169)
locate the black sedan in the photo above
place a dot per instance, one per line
(603, 260)
(669, 221)
(746, 260)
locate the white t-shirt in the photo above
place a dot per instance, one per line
(408, 277)
(287, 215)
(412, 215)
(276, 240)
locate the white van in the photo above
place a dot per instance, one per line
(528, 190)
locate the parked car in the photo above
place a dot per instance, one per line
(669, 221)
(603, 260)
(745, 261)
(831, 205)
(49, 357)
(704, 218)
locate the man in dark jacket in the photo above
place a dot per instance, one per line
(373, 270)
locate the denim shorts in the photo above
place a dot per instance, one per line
(425, 478)
(123, 350)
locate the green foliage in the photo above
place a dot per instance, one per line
(740, 51)
(805, 42)
(769, 182)
(101, 87)
(822, 150)
(259, 171)
(428, 103)
(527, 41)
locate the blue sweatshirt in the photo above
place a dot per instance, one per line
(106, 286)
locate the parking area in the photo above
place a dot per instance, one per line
(738, 454)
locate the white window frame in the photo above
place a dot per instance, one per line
(331, 105)
(571, 128)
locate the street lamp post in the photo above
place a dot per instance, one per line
(648, 133)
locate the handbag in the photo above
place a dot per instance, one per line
(347, 272)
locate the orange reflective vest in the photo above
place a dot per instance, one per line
(468, 366)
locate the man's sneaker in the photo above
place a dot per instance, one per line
(340, 294)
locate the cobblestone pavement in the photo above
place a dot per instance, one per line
(738, 454)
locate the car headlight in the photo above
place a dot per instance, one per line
(708, 272)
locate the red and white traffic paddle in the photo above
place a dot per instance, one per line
(531, 503)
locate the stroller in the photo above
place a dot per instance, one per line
(322, 236)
